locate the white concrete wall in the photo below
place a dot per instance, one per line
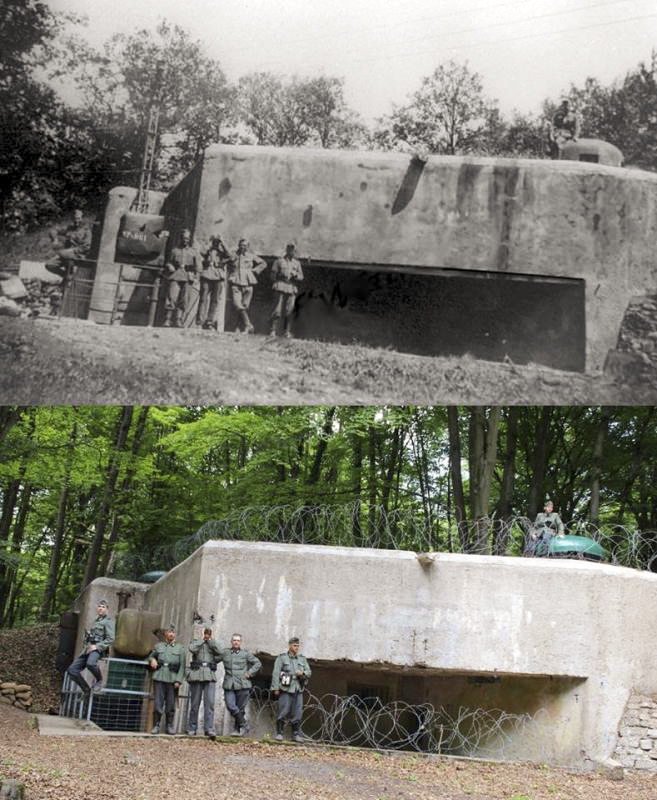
(463, 614)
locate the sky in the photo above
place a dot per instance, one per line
(525, 50)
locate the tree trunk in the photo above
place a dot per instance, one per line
(596, 464)
(55, 555)
(123, 425)
(483, 455)
(356, 486)
(505, 504)
(455, 472)
(126, 486)
(371, 482)
(327, 427)
(539, 462)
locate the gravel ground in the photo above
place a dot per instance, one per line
(48, 361)
(160, 767)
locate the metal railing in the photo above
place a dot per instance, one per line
(121, 704)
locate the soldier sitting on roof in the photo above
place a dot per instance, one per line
(565, 127)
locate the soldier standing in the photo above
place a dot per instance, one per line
(181, 273)
(167, 658)
(565, 127)
(213, 284)
(546, 525)
(243, 267)
(239, 666)
(286, 272)
(202, 680)
(75, 245)
(288, 680)
(97, 640)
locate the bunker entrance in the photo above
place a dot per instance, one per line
(488, 315)
(465, 714)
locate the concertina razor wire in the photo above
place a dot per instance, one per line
(359, 525)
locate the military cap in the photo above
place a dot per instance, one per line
(293, 640)
(171, 628)
(103, 603)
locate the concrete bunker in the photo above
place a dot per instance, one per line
(544, 655)
(543, 254)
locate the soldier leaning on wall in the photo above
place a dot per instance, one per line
(168, 659)
(97, 640)
(286, 273)
(243, 269)
(288, 680)
(181, 274)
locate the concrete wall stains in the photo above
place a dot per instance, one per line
(532, 217)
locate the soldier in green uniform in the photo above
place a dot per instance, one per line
(243, 269)
(202, 678)
(546, 525)
(97, 640)
(286, 273)
(181, 275)
(168, 659)
(288, 680)
(239, 667)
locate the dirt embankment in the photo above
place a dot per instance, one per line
(48, 361)
(27, 656)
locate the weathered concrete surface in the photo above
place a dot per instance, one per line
(570, 621)
(543, 219)
(119, 200)
(105, 589)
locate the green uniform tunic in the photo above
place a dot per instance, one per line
(171, 662)
(101, 633)
(551, 520)
(240, 666)
(204, 660)
(288, 664)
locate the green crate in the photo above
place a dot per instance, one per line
(128, 676)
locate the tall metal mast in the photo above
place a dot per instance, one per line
(140, 203)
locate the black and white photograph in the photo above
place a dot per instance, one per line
(328, 399)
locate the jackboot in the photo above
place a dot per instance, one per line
(280, 725)
(248, 327)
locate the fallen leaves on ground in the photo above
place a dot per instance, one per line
(157, 768)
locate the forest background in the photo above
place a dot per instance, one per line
(57, 155)
(118, 491)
